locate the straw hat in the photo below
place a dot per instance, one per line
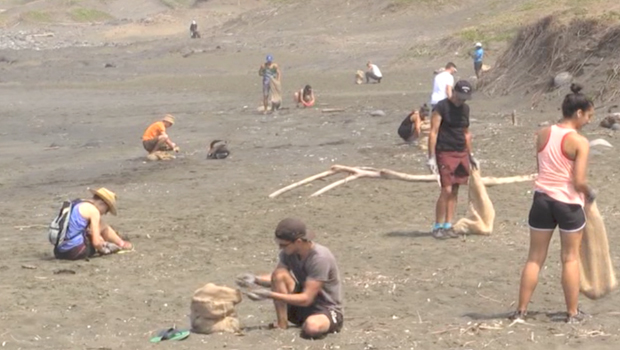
(169, 118)
(107, 196)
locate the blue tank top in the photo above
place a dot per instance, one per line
(75, 231)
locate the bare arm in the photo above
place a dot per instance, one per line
(432, 135)
(582, 150)
(261, 70)
(449, 90)
(306, 298)
(91, 213)
(468, 145)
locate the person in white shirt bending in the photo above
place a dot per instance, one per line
(442, 85)
(373, 72)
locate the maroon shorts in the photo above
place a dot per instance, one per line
(453, 168)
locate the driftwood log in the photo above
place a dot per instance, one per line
(354, 173)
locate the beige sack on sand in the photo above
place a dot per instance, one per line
(480, 214)
(598, 277)
(359, 77)
(275, 91)
(213, 309)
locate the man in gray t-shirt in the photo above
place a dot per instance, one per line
(305, 285)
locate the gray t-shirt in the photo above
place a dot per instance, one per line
(320, 265)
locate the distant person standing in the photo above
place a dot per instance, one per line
(193, 30)
(478, 54)
(270, 72)
(450, 154)
(442, 84)
(373, 73)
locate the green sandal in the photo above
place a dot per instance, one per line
(170, 334)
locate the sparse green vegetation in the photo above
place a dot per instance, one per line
(174, 4)
(88, 15)
(36, 16)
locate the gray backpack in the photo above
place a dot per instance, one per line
(58, 227)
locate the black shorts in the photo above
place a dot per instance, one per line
(547, 213)
(477, 66)
(297, 315)
(83, 251)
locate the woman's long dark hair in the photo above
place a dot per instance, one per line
(575, 101)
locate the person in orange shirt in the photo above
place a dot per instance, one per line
(155, 137)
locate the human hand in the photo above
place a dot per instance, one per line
(109, 248)
(590, 196)
(432, 165)
(258, 294)
(246, 280)
(473, 162)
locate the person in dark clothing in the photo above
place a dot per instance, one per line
(450, 154)
(193, 30)
(410, 128)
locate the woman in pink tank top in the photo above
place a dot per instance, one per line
(561, 191)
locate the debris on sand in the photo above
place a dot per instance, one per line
(562, 79)
(160, 155)
(377, 113)
(600, 142)
(611, 121)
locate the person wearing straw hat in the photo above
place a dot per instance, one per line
(86, 234)
(155, 137)
(305, 285)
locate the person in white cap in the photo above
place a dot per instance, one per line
(193, 30)
(478, 55)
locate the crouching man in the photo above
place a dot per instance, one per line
(86, 234)
(305, 285)
(155, 137)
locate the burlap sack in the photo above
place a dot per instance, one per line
(213, 309)
(598, 277)
(359, 77)
(481, 213)
(275, 91)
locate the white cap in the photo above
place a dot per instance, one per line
(478, 44)
(193, 22)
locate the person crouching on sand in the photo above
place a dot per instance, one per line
(411, 127)
(305, 97)
(86, 234)
(561, 191)
(373, 73)
(305, 286)
(155, 137)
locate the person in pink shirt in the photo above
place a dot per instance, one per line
(561, 191)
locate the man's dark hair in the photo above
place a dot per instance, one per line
(450, 65)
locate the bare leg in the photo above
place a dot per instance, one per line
(282, 282)
(451, 205)
(109, 235)
(297, 99)
(161, 141)
(539, 244)
(441, 208)
(571, 244)
(316, 325)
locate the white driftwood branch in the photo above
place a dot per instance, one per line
(366, 172)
